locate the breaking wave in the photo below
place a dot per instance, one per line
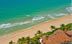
(8, 25)
(50, 16)
(69, 9)
(35, 18)
(61, 14)
(38, 18)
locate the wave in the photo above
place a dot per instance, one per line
(28, 15)
(8, 25)
(35, 18)
(52, 17)
(38, 18)
(60, 14)
(69, 9)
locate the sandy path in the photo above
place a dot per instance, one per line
(44, 27)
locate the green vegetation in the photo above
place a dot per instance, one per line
(11, 42)
(66, 27)
(35, 39)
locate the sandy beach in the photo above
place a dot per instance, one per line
(44, 27)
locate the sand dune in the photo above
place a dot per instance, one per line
(44, 27)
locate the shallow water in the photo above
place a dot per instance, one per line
(20, 14)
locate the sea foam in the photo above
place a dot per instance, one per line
(38, 18)
(8, 25)
(35, 18)
(50, 16)
(69, 9)
(60, 14)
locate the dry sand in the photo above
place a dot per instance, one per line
(44, 27)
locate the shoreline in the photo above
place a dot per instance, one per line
(30, 26)
(44, 27)
(34, 25)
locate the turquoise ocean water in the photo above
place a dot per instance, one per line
(20, 14)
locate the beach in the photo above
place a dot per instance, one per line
(44, 27)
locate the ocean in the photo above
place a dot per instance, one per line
(20, 14)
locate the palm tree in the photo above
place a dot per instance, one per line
(69, 26)
(11, 42)
(23, 39)
(39, 32)
(63, 27)
(19, 41)
(28, 40)
(53, 27)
